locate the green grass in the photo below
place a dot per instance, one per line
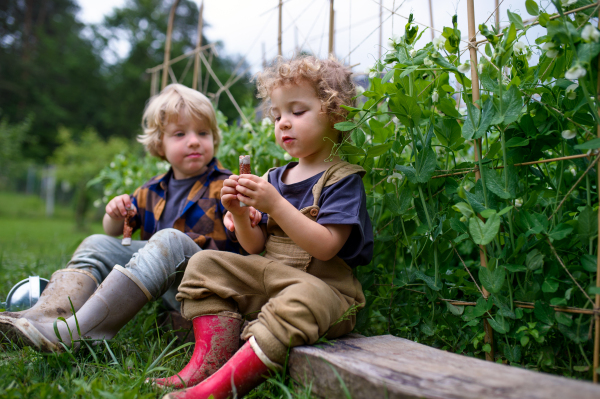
(30, 243)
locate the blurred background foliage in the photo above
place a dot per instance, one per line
(54, 71)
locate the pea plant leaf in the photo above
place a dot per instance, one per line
(492, 281)
(543, 312)
(512, 104)
(477, 122)
(484, 233)
(493, 183)
(406, 109)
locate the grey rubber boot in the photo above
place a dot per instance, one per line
(76, 284)
(115, 302)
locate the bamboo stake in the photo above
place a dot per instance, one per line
(165, 73)
(497, 16)
(181, 57)
(431, 18)
(279, 52)
(380, 26)
(597, 304)
(489, 335)
(197, 66)
(331, 29)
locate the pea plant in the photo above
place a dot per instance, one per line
(483, 192)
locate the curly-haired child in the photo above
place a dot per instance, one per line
(179, 213)
(315, 230)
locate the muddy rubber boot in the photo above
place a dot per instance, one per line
(217, 338)
(247, 369)
(115, 302)
(76, 284)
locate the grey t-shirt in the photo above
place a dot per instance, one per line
(177, 191)
(344, 202)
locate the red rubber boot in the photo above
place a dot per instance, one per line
(217, 339)
(243, 372)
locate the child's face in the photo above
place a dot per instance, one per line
(300, 124)
(188, 146)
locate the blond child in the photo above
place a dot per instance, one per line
(315, 229)
(179, 214)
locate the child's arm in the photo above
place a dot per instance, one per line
(116, 210)
(251, 237)
(321, 241)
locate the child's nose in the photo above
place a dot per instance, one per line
(284, 123)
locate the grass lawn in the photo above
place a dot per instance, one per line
(31, 244)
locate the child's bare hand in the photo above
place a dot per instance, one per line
(117, 207)
(257, 192)
(229, 197)
(255, 218)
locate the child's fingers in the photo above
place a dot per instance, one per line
(230, 182)
(248, 184)
(228, 190)
(245, 200)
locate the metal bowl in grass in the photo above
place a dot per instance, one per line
(24, 294)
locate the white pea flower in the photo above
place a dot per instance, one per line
(566, 3)
(360, 90)
(551, 49)
(575, 72)
(112, 164)
(573, 170)
(519, 47)
(247, 147)
(480, 67)
(464, 68)
(427, 61)
(568, 134)
(395, 120)
(570, 92)
(589, 33)
(395, 178)
(412, 52)
(97, 203)
(439, 42)
(266, 122)
(287, 156)
(394, 41)
(247, 126)
(435, 96)
(519, 202)
(128, 181)
(435, 54)
(505, 80)
(372, 73)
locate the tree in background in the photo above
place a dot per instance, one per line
(48, 70)
(51, 67)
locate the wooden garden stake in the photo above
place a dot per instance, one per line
(165, 74)
(197, 65)
(597, 306)
(279, 52)
(331, 30)
(431, 19)
(489, 336)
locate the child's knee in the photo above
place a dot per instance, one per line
(168, 234)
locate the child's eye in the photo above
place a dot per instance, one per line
(277, 118)
(179, 134)
(299, 113)
(204, 134)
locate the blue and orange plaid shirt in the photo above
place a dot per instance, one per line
(202, 216)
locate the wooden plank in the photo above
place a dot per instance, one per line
(391, 367)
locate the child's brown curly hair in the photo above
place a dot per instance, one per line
(331, 80)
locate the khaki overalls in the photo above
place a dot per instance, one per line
(293, 297)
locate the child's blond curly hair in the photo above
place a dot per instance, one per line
(331, 80)
(166, 107)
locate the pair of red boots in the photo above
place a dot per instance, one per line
(215, 367)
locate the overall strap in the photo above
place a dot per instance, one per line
(334, 174)
(266, 175)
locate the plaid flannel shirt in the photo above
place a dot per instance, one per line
(202, 216)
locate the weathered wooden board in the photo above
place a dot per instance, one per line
(391, 367)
